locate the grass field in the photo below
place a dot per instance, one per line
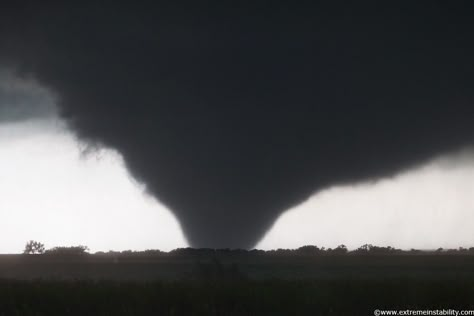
(250, 297)
(233, 285)
(156, 268)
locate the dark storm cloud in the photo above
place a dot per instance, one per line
(233, 114)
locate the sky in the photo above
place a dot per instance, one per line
(56, 191)
(427, 207)
(52, 193)
(230, 115)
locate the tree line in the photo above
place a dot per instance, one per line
(35, 247)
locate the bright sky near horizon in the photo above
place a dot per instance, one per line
(51, 192)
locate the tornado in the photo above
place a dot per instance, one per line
(231, 114)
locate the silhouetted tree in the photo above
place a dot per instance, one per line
(308, 250)
(341, 249)
(33, 247)
(364, 249)
(74, 250)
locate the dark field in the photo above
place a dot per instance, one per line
(233, 284)
(268, 297)
(288, 267)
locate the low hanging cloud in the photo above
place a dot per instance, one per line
(23, 99)
(232, 115)
(423, 208)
